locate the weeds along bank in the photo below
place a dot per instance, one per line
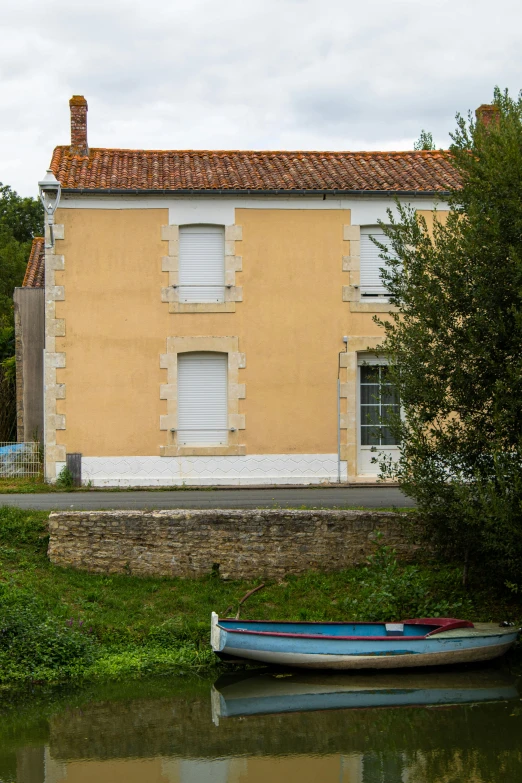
(59, 624)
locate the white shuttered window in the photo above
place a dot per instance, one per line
(201, 264)
(371, 263)
(202, 399)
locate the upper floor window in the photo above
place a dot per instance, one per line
(371, 283)
(201, 264)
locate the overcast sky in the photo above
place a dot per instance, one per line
(247, 74)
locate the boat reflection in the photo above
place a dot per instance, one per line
(262, 692)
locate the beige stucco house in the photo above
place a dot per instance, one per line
(209, 314)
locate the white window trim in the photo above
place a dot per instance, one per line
(358, 347)
(366, 453)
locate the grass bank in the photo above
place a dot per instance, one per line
(59, 625)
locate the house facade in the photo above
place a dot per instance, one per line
(209, 315)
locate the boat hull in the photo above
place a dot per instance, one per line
(482, 642)
(391, 661)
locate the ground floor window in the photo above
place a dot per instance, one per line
(202, 399)
(378, 403)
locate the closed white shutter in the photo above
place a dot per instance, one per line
(371, 263)
(202, 399)
(201, 264)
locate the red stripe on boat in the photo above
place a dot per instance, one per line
(440, 623)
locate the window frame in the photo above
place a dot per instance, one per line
(191, 229)
(223, 441)
(382, 295)
(235, 392)
(233, 264)
(364, 358)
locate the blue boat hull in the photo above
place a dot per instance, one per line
(322, 651)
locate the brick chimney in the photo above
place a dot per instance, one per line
(78, 106)
(488, 114)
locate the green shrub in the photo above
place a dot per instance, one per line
(19, 527)
(65, 479)
(37, 647)
(389, 590)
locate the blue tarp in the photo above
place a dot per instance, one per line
(15, 448)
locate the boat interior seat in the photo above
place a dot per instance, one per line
(394, 629)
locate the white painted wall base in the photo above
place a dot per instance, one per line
(211, 471)
(365, 463)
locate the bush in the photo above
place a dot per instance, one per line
(37, 647)
(389, 590)
(65, 479)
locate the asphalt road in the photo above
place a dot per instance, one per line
(310, 497)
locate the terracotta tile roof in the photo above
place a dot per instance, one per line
(215, 170)
(35, 272)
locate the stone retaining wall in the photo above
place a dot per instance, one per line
(240, 544)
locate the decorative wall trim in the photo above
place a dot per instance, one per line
(53, 359)
(251, 469)
(233, 264)
(348, 364)
(169, 392)
(351, 261)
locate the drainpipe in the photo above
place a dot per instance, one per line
(339, 424)
(345, 341)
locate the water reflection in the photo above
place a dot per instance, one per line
(258, 693)
(452, 727)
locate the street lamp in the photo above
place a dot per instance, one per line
(50, 189)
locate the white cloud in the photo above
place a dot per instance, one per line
(321, 74)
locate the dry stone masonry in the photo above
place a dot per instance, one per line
(240, 544)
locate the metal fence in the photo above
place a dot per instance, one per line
(20, 459)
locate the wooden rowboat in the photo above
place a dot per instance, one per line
(431, 641)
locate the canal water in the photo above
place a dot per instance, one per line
(272, 727)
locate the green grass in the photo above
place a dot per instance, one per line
(36, 484)
(118, 626)
(23, 485)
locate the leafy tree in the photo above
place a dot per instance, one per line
(21, 219)
(455, 347)
(424, 142)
